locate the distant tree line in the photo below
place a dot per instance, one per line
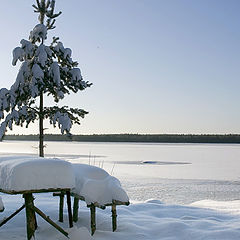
(150, 138)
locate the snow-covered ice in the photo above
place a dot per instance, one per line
(97, 186)
(34, 173)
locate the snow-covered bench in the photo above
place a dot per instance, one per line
(98, 189)
(34, 174)
(1, 205)
(27, 175)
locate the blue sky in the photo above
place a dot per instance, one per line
(157, 66)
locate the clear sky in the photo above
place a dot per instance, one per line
(157, 66)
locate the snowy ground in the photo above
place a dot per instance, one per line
(151, 220)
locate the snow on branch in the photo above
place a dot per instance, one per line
(20, 116)
(63, 116)
(18, 54)
(55, 73)
(38, 34)
(4, 101)
(28, 48)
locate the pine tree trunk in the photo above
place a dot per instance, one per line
(41, 115)
(42, 12)
(41, 151)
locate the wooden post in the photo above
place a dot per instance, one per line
(69, 209)
(30, 215)
(114, 217)
(93, 218)
(75, 209)
(61, 205)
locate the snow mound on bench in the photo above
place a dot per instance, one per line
(1, 205)
(97, 186)
(23, 173)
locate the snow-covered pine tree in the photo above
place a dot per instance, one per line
(44, 70)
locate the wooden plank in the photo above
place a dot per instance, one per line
(75, 209)
(5, 220)
(69, 209)
(116, 202)
(35, 191)
(57, 194)
(46, 218)
(97, 205)
(30, 215)
(78, 196)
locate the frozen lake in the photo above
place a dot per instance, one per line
(173, 173)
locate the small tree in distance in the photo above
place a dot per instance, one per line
(44, 70)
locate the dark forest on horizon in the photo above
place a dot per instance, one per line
(148, 138)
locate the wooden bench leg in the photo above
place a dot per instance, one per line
(75, 209)
(61, 205)
(30, 215)
(93, 218)
(69, 209)
(114, 217)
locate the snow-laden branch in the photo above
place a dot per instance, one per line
(20, 116)
(47, 68)
(63, 116)
(38, 34)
